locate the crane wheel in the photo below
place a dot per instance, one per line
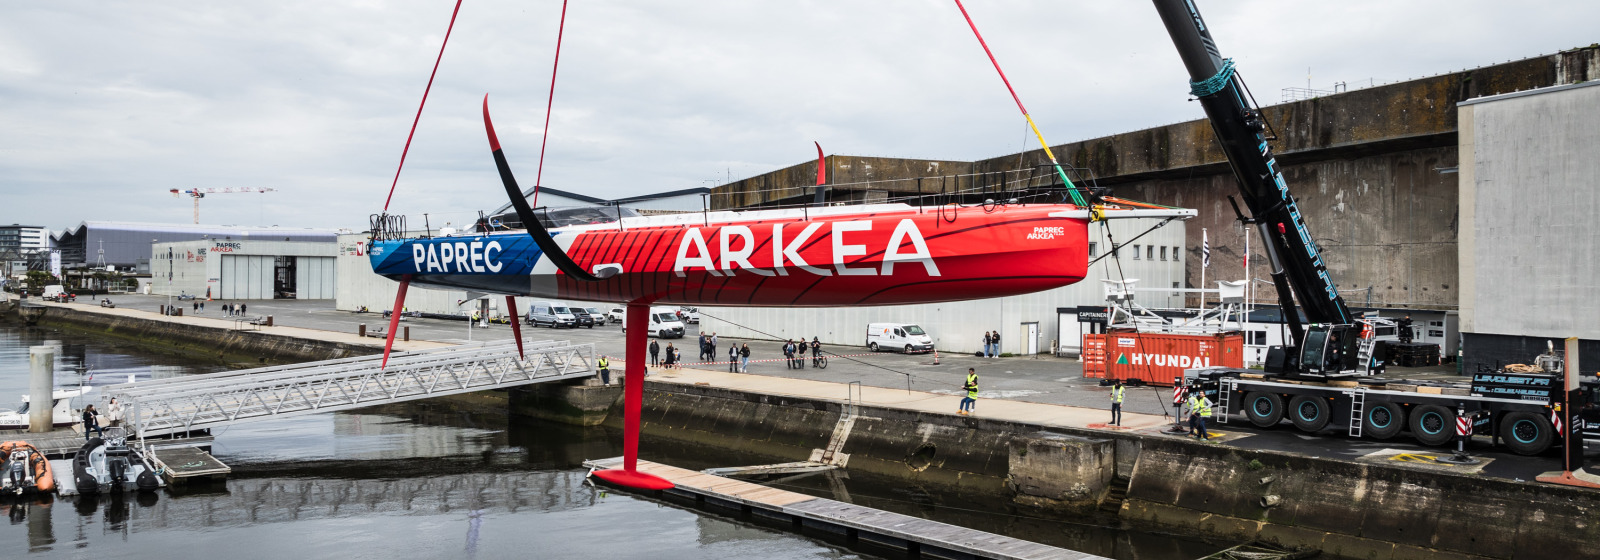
(1309, 413)
(1433, 424)
(1263, 409)
(1527, 433)
(1383, 420)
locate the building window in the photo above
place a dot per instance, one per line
(1092, 247)
(1135, 252)
(1256, 338)
(1163, 252)
(1436, 323)
(1174, 253)
(1435, 334)
(1175, 286)
(1150, 252)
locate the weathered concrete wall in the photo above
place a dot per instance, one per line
(1347, 509)
(228, 346)
(580, 402)
(1536, 198)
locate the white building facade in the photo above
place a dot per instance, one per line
(1027, 323)
(244, 269)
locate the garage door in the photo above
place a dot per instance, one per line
(313, 278)
(246, 277)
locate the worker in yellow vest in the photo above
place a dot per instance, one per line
(605, 370)
(969, 402)
(1117, 394)
(1199, 412)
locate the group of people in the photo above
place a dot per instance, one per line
(91, 419)
(794, 352)
(708, 347)
(228, 309)
(991, 345)
(1198, 405)
(673, 358)
(739, 358)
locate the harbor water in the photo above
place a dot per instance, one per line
(437, 479)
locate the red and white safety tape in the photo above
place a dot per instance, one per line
(806, 358)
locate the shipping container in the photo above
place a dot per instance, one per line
(1157, 358)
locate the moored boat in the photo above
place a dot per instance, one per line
(106, 465)
(25, 470)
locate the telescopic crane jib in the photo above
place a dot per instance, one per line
(197, 194)
(1297, 268)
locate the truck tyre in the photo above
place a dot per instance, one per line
(1264, 410)
(1433, 424)
(1309, 413)
(1526, 433)
(1383, 420)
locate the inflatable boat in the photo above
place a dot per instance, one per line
(108, 465)
(25, 470)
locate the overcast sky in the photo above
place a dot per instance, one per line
(106, 105)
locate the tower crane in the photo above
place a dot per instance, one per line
(198, 194)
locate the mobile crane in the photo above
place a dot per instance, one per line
(1323, 374)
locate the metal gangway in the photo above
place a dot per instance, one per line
(181, 404)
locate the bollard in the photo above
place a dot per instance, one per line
(361, 330)
(408, 334)
(41, 379)
(269, 320)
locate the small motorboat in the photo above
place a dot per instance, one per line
(25, 470)
(62, 414)
(107, 465)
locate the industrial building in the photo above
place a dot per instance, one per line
(1530, 196)
(127, 245)
(1385, 177)
(23, 247)
(245, 269)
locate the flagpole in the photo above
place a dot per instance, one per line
(1205, 261)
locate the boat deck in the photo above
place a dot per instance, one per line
(912, 534)
(185, 463)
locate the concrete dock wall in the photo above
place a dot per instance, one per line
(1346, 509)
(226, 345)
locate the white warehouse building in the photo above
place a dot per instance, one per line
(1026, 323)
(244, 269)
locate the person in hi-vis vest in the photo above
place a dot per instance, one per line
(1117, 394)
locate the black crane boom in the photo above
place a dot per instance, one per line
(1239, 127)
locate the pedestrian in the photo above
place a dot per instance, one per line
(744, 358)
(1405, 330)
(711, 353)
(91, 423)
(672, 354)
(655, 353)
(788, 354)
(996, 352)
(702, 339)
(195, 307)
(605, 370)
(114, 412)
(800, 354)
(988, 343)
(733, 358)
(969, 402)
(202, 307)
(816, 351)
(1117, 393)
(242, 308)
(1199, 411)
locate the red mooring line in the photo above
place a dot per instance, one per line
(538, 177)
(421, 105)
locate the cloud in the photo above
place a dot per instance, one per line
(106, 106)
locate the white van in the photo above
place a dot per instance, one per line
(554, 314)
(664, 323)
(905, 337)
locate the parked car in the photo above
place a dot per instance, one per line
(584, 318)
(615, 314)
(599, 318)
(690, 315)
(552, 314)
